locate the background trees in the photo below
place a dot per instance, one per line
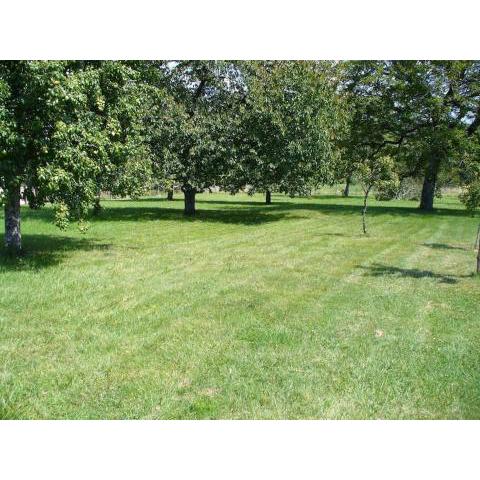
(421, 113)
(442, 99)
(72, 129)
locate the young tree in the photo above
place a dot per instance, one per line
(379, 173)
(66, 132)
(376, 127)
(290, 119)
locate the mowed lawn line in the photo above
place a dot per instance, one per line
(202, 300)
(280, 300)
(63, 319)
(416, 329)
(374, 316)
(318, 323)
(196, 397)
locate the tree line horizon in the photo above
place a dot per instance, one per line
(70, 130)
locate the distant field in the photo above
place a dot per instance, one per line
(246, 311)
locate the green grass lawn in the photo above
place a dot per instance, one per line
(246, 311)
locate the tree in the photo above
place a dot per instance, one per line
(290, 119)
(444, 100)
(471, 198)
(470, 180)
(192, 138)
(422, 113)
(376, 127)
(378, 172)
(67, 131)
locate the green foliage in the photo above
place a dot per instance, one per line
(69, 130)
(469, 175)
(61, 215)
(379, 173)
(72, 129)
(290, 121)
(421, 113)
(471, 196)
(191, 133)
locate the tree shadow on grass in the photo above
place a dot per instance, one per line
(255, 212)
(228, 216)
(373, 210)
(242, 212)
(443, 246)
(341, 206)
(379, 270)
(43, 251)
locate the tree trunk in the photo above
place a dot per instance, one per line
(13, 237)
(429, 184)
(97, 207)
(478, 259)
(268, 197)
(477, 244)
(346, 190)
(170, 194)
(189, 194)
(364, 212)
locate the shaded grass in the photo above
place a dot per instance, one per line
(245, 311)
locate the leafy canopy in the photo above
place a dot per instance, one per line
(70, 130)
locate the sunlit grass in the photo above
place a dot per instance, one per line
(246, 311)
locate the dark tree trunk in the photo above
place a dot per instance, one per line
(170, 194)
(13, 237)
(477, 244)
(429, 184)
(346, 190)
(268, 197)
(478, 259)
(189, 194)
(428, 194)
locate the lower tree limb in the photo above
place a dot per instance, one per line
(268, 197)
(13, 236)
